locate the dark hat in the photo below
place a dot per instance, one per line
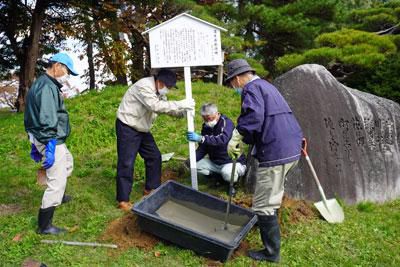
(167, 76)
(236, 67)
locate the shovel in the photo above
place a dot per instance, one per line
(329, 208)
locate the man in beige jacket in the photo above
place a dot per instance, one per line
(136, 113)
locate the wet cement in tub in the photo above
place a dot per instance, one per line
(202, 220)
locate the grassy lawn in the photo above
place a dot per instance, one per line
(370, 235)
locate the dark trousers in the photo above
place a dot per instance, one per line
(129, 143)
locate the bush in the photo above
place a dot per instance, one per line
(385, 81)
(288, 62)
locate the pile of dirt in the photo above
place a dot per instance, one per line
(125, 232)
(169, 175)
(8, 209)
(243, 201)
(298, 210)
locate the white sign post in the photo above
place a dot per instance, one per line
(186, 41)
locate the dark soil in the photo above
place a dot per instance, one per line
(8, 209)
(298, 210)
(169, 175)
(125, 233)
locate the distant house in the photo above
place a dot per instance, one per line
(9, 92)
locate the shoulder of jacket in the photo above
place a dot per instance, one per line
(225, 118)
(45, 83)
(146, 82)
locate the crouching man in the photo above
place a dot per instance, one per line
(215, 134)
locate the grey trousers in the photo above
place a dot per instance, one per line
(269, 188)
(205, 166)
(56, 179)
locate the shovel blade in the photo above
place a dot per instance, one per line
(332, 212)
(167, 156)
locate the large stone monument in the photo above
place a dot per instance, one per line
(353, 138)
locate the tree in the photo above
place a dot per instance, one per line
(385, 80)
(358, 58)
(22, 39)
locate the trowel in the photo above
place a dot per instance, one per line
(168, 156)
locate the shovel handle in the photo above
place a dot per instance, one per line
(314, 174)
(304, 147)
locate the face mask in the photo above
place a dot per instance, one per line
(163, 91)
(211, 124)
(238, 90)
(63, 79)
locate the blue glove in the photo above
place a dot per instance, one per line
(194, 137)
(49, 154)
(35, 154)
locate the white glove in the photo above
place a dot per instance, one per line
(235, 145)
(186, 104)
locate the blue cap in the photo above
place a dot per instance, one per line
(63, 58)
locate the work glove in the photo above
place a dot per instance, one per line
(35, 154)
(187, 104)
(235, 145)
(194, 137)
(50, 154)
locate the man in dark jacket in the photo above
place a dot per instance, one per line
(216, 132)
(267, 122)
(47, 124)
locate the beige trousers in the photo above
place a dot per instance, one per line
(56, 175)
(269, 188)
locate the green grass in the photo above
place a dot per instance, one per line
(370, 235)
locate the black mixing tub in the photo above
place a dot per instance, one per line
(194, 220)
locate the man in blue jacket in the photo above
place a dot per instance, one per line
(47, 124)
(267, 122)
(215, 134)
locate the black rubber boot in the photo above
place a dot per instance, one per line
(234, 189)
(45, 219)
(271, 238)
(66, 199)
(217, 178)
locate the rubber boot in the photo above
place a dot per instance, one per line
(217, 179)
(45, 219)
(271, 238)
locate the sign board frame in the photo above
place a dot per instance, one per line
(186, 41)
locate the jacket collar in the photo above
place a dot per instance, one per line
(59, 85)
